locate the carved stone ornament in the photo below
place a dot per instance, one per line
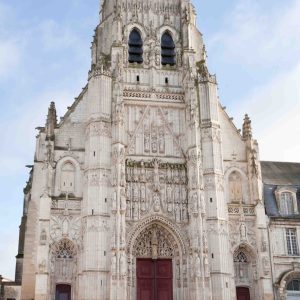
(156, 187)
(154, 242)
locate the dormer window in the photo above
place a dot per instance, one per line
(168, 56)
(135, 47)
(286, 198)
(287, 203)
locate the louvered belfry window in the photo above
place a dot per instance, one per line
(168, 56)
(135, 49)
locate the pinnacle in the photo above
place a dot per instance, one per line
(247, 128)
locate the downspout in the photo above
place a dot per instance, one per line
(272, 261)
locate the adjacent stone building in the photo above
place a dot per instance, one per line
(146, 189)
(282, 202)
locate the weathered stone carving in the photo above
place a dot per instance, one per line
(156, 187)
(155, 243)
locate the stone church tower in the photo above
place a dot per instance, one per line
(145, 189)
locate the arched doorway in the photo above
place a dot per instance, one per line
(63, 269)
(289, 285)
(63, 292)
(242, 293)
(244, 270)
(154, 252)
(157, 265)
(293, 289)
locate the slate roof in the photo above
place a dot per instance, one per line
(278, 174)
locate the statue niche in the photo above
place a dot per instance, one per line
(235, 187)
(156, 187)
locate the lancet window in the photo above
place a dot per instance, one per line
(64, 249)
(168, 56)
(242, 267)
(135, 49)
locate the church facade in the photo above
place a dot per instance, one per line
(146, 189)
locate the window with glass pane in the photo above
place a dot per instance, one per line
(294, 285)
(286, 203)
(292, 244)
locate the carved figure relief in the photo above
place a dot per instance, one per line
(154, 242)
(156, 187)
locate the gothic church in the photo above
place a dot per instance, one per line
(146, 190)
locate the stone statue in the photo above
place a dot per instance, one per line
(206, 266)
(114, 202)
(177, 213)
(143, 197)
(195, 204)
(156, 175)
(198, 266)
(156, 202)
(123, 264)
(114, 264)
(154, 245)
(235, 188)
(243, 232)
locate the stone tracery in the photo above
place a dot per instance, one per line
(154, 242)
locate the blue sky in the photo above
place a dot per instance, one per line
(253, 47)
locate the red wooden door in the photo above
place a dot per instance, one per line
(242, 293)
(154, 279)
(145, 279)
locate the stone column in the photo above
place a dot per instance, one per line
(94, 267)
(217, 215)
(199, 265)
(118, 287)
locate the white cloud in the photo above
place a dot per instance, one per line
(55, 36)
(261, 41)
(22, 129)
(8, 250)
(10, 55)
(5, 13)
(275, 109)
(255, 36)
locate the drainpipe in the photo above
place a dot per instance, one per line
(272, 261)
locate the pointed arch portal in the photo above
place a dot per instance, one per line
(157, 264)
